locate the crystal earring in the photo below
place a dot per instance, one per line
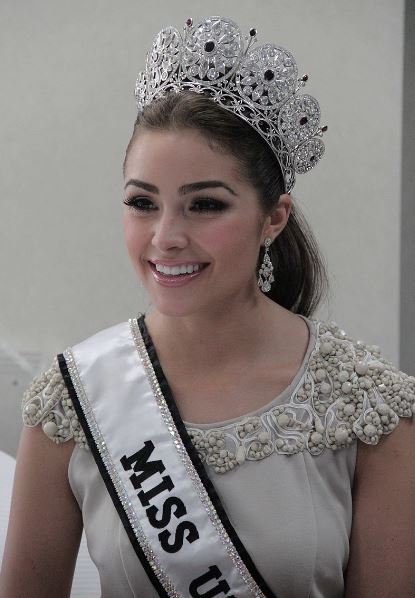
(266, 278)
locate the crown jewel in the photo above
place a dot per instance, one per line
(258, 84)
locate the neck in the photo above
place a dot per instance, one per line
(220, 337)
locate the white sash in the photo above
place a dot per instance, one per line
(167, 503)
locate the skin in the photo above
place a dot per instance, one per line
(382, 544)
(174, 229)
(224, 306)
(45, 523)
(219, 323)
(225, 323)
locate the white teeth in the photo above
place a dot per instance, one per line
(176, 270)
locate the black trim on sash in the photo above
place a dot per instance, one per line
(197, 463)
(107, 479)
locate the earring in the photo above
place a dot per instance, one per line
(266, 278)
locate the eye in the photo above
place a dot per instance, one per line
(142, 204)
(204, 205)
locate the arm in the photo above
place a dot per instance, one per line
(382, 549)
(45, 524)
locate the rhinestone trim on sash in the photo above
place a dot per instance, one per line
(191, 471)
(118, 485)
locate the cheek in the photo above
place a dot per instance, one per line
(237, 237)
(133, 235)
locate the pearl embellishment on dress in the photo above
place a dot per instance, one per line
(347, 391)
(47, 401)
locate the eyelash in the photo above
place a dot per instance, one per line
(206, 205)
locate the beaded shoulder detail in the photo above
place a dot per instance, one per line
(47, 402)
(347, 391)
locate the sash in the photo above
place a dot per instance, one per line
(157, 482)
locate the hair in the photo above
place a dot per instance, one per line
(301, 280)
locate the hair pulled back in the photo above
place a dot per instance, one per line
(301, 281)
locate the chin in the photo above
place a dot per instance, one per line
(176, 309)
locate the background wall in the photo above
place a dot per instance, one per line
(407, 343)
(67, 109)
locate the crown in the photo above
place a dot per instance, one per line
(258, 84)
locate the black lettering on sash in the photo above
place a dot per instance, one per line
(145, 469)
(139, 462)
(214, 573)
(145, 497)
(172, 502)
(178, 542)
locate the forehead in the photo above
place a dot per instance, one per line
(178, 154)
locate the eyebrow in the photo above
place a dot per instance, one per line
(189, 188)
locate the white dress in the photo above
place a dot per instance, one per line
(284, 473)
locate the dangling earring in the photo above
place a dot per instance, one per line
(266, 278)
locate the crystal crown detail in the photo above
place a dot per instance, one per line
(258, 84)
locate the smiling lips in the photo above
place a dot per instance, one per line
(176, 270)
(177, 274)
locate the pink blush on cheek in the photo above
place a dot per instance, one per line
(227, 239)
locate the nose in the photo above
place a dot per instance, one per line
(169, 233)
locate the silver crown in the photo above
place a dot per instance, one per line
(258, 84)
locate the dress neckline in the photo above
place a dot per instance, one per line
(280, 398)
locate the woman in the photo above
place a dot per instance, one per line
(211, 446)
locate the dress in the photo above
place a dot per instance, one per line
(284, 473)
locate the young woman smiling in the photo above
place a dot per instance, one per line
(226, 443)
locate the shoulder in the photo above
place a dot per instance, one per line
(47, 402)
(353, 390)
(382, 546)
(346, 392)
(381, 403)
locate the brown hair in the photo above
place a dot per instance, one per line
(300, 272)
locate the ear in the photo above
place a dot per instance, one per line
(276, 221)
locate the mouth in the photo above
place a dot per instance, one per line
(172, 275)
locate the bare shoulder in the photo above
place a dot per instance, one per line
(45, 524)
(382, 548)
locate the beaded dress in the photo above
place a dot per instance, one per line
(284, 473)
